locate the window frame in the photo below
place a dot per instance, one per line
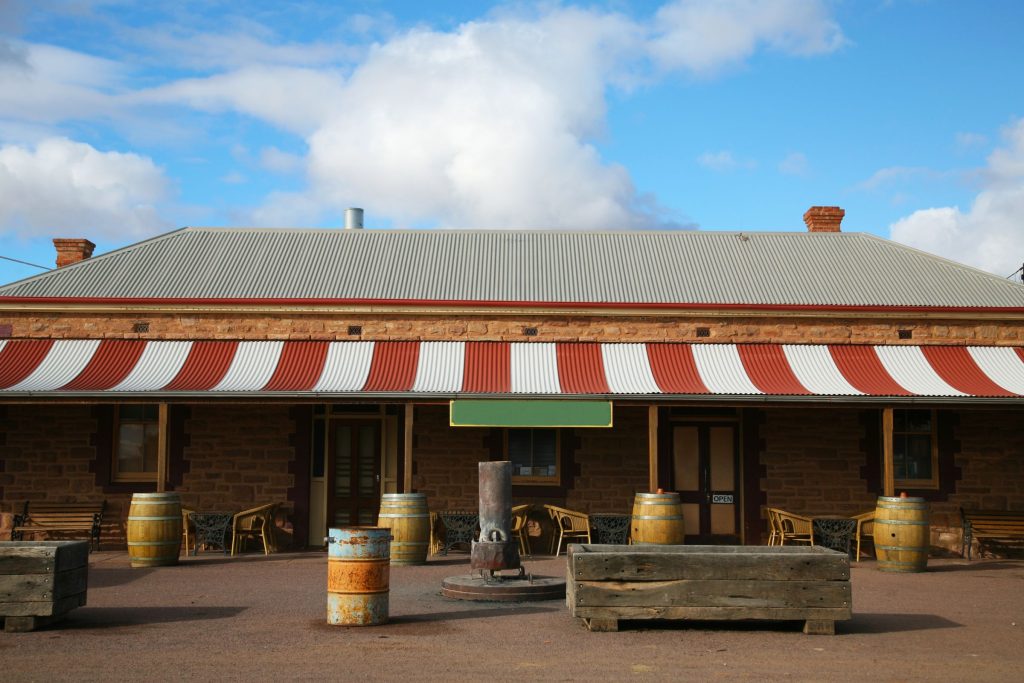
(116, 476)
(932, 483)
(552, 480)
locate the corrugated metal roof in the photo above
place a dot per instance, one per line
(130, 367)
(677, 267)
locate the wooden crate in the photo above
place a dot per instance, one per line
(606, 583)
(41, 581)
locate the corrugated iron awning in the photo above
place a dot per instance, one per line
(212, 368)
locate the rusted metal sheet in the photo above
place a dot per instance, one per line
(358, 576)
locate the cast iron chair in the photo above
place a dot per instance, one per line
(256, 523)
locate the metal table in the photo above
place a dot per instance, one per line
(836, 533)
(459, 527)
(211, 529)
(610, 527)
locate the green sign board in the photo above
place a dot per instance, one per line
(530, 413)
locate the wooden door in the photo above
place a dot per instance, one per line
(705, 472)
(354, 496)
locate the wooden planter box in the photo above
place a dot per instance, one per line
(41, 581)
(606, 583)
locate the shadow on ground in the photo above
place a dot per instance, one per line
(114, 617)
(894, 623)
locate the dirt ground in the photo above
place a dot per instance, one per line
(264, 618)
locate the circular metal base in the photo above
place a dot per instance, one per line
(512, 589)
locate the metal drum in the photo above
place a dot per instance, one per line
(154, 529)
(902, 534)
(657, 518)
(357, 576)
(407, 517)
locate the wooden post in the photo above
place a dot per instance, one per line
(161, 448)
(652, 448)
(888, 476)
(407, 454)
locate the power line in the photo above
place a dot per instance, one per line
(36, 265)
(1019, 270)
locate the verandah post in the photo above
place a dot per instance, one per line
(888, 476)
(652, 448)
(407, 450)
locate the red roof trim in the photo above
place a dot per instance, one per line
(109, 365)
(502, 304)
(19, 359)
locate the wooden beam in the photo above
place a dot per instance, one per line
(652, 448)
(407, 451)
(888, 476)
(161, 448)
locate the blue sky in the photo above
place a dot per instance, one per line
(120, 120)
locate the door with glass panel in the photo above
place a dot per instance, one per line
(354, 456)
(705, 471)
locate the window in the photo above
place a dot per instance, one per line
(136, 430)
(915, 449)
(534, 455)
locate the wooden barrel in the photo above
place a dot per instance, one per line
(657, 518)
(357, 576)
(407, 517)
(154, 529)
(901, 534)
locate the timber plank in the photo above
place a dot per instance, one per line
(41, 608)
(781, 594)
(644, 566)
(697, 613)
(31, 587)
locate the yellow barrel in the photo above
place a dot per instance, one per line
(901, 534)
(358, 576)
(407, 517)
(154, 529)
(657, 518)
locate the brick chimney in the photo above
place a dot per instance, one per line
(72, 250)
(823, 218)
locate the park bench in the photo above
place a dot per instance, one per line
(990, 525)
(47, 517)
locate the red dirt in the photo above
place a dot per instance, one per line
(263, 618)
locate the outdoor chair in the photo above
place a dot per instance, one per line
(569, 525)
(519, 513)
(256, 523)
(186, 531)
(788, 526)
(865, 529)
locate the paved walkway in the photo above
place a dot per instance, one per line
(263, 618)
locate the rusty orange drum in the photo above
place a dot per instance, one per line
(358, 575)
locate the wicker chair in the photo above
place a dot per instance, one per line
(186, 530)
(256, 522)
(519, 513)
(865, 529)
(569, 525)
(787, 526)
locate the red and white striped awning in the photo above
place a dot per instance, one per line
(225, 368)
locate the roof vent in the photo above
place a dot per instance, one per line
(824, 218)
(353, 219)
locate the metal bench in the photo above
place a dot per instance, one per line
(43, 518)
(990, 525)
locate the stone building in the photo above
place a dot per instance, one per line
(808, 370)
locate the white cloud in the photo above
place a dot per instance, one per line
(794, 163)
(966, 142)
(279, 161)
(724, 161)
(63, 185)
(233, 178)
(989, 235)
(705, 36)
(491, 124)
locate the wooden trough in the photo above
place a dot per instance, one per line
(41, 581)
(607, 583)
